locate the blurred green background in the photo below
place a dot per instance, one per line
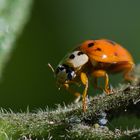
(53, 29)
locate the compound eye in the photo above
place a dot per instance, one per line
(59, 68)
(71, 75)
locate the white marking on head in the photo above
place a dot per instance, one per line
(77, 59)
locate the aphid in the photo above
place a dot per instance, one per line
(93, 58)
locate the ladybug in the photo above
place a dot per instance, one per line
(93, 58)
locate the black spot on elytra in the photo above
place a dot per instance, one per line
(111, 42)
(98, 49)
(80, 53)
(116, 54)
(90, 45)
(72, 56)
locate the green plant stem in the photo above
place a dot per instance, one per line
(70, 121)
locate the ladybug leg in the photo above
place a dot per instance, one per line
(102, 73)
(84, 80)
(70, 90)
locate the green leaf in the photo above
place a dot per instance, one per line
(13, 16)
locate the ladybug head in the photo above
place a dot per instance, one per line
(64, 74)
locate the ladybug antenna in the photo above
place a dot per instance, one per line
(50, 66)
